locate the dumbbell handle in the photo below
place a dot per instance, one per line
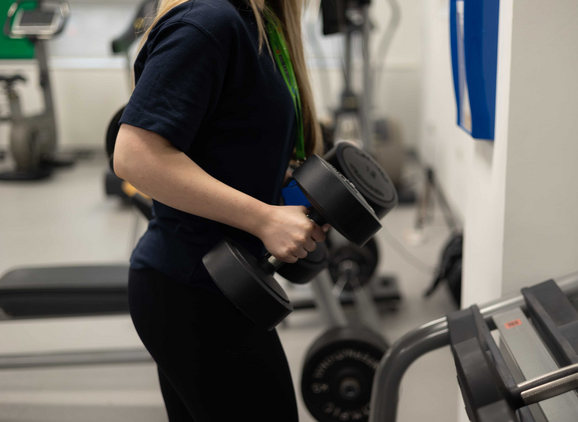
(272, 264)
(547, 386)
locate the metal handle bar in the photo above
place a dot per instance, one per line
(547, 386)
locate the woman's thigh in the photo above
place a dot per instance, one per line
(218, 362)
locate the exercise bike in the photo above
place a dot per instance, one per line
(33, 138)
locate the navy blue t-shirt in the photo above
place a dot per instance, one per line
(202, 84)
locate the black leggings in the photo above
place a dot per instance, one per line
(214, 364)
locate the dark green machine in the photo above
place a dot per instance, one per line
(15, 49)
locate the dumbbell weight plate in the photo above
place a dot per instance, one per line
(337, 200)
(366, 174)
(242, 279)
(338, 373)
(304, 270)
(364, 258)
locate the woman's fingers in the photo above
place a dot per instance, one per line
(318, 235)
(310, 245)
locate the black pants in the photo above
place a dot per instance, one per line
(214, 364)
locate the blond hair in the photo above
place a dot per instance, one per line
(289, 13)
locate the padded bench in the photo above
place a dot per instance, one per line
(64, 291)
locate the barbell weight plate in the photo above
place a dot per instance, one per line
(338, 373)
(366, 174)
(243, 281)
(365, 258)
(111, 134)
(304, 270)
(337, 200)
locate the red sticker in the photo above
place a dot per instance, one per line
(513, 323)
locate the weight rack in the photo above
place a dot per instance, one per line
(529, 377)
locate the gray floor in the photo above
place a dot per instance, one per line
(68, 219)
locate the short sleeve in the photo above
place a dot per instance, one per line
(179, 85)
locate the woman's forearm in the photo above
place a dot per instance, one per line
(156, 168)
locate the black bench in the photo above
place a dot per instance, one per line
(64, 291)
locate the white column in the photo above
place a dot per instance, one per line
(484, 224)
(521, 220)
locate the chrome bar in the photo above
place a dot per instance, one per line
(365, 306)
(549, 385)
(327, 303)
(93, 357)
(366, 99)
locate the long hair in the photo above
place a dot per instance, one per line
(289, 13)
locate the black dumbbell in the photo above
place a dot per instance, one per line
(366, 174)
(356, 264)
(360, 168)
(249, 283)
(306, 269)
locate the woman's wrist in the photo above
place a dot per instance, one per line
(258, 218)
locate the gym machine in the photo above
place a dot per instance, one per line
(528, 376)
(123, 45)
(354, 118)
(124, 42)
(339, 367)
(33, 139)
(353, 121)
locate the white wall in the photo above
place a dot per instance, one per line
(516, 195)
(486, 187)
(541, 235)
(444, 145)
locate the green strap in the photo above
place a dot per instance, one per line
(281, 53)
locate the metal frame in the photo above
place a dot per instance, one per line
(93, 357)
(328, 304)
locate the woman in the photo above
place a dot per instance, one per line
(208, 134)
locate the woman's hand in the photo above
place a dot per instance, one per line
(288, 234)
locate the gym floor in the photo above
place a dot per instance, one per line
(68, 220)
